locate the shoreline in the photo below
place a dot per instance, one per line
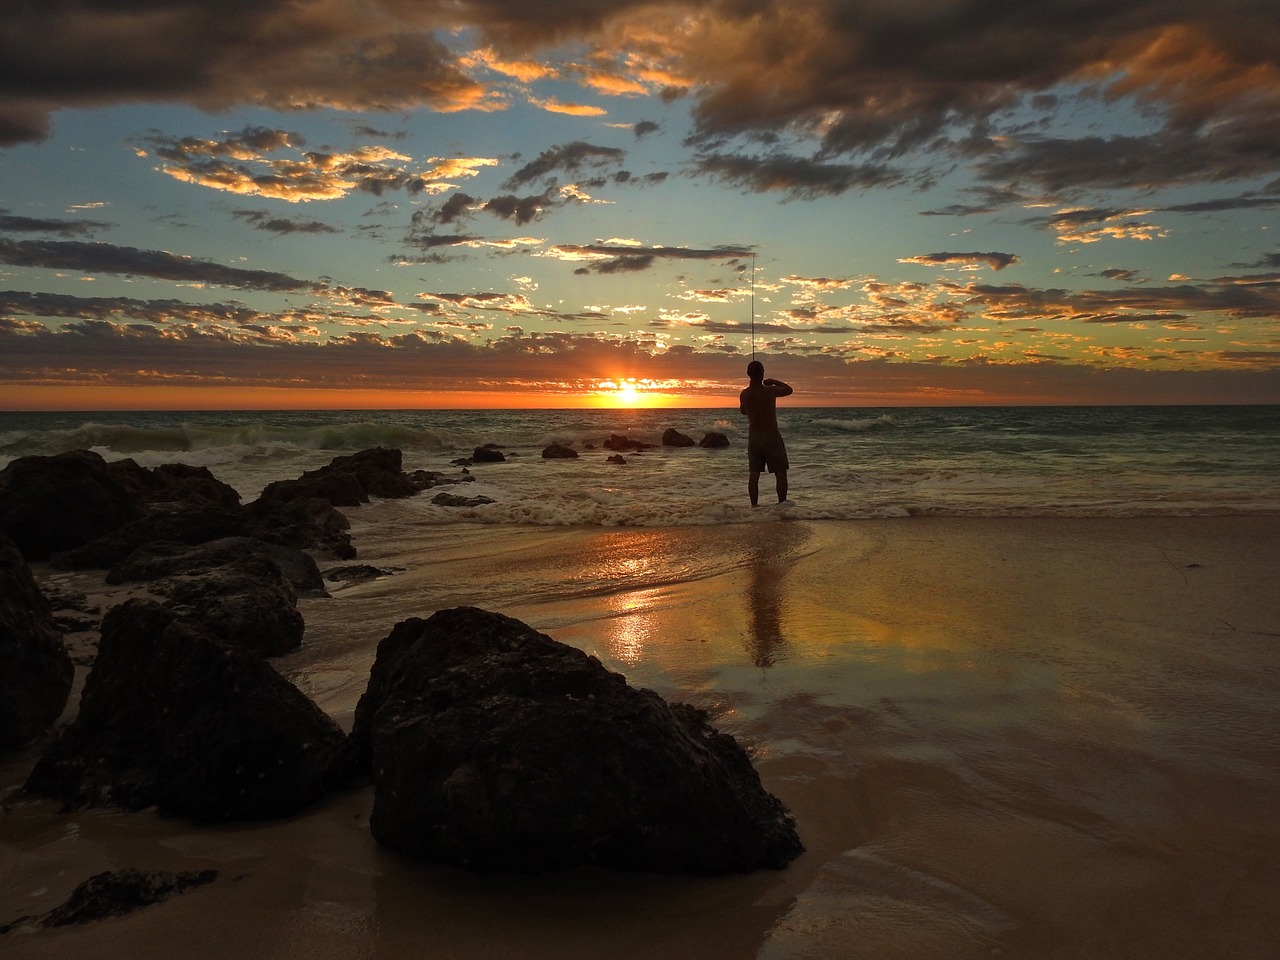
(1040, 736)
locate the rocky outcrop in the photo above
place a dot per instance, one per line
(494, 747)
(35, 668)
(489, 453)
(714, 440)
(616, 458)
(115, 893)
(558, 451)
(173, 718)
(674, 438)
(348, 481)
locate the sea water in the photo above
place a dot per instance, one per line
(846, 463)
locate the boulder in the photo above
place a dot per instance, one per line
(35, 668)
(489, 453)
(558, 451)
(616, 458)
(348, 481)
(172, 717)
(494, 747)
(674, 438)
(714, 440)
(56, 503)
(232, 588)
(173, 483)
(622, 444)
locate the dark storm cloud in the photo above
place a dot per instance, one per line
(263, 220)
(130, 261)
(909, 81)
(10, 223)
(570, 157)
(797, 176)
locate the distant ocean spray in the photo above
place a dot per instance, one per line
(845, 463)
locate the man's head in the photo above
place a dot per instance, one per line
(755, 371)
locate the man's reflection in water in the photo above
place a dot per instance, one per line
(768, 564)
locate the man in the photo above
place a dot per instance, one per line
(764, 443)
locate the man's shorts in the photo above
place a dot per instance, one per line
(766, 449)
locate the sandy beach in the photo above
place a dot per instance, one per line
(1039, 738)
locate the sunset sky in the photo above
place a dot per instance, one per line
(463, 203)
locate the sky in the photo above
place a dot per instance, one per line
(252, 204)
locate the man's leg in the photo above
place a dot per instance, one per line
(782, 485)
(753, 486)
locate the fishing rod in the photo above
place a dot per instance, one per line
(753, 306)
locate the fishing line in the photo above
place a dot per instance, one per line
(753, 306)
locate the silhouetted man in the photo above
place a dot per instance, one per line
(765, 448)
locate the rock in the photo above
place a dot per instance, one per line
(714, 440)
(173, 718)
(348, 481)
(56, 503)
(310, 523)
(494, 747)
(359, 573)
(115, 893)
(558, 451)
(426, 479)
(189, 523)
(233, 588)
(173, 483)
(623, 444)
(453, 500)
(617, 458)
(35, 668)
(489, 453)
(674, 438)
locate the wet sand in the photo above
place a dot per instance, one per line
(1018, 738)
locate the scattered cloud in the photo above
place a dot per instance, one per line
(996, 261)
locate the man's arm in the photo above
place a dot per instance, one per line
(742, 403)
(779, 388)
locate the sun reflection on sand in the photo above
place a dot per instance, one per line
(627, 633)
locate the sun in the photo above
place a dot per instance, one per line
(627, 394)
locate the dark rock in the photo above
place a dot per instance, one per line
(35, 668)
(190, 523)
(358, 573)
(617, 458)
(494, 747)
(674, 438)
(623, 444)
(558, 451)
(173, 718)
(233, 588)
(489, 453)
(173, 483)
(453, 500)
(714, 440)
(348, 481)
(308, 524)
(116, 893)
(56, 503)
(426, 479)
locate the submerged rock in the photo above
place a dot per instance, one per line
(618, 442)
(115, 893)
(489, 453)
(714, 440)
(495, 747)
(674, 438)
(453, 500)
(558, 451)
(35, 668)
(173, 718)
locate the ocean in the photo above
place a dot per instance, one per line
(846, 463)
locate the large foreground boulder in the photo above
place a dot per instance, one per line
(170, 717)
(494, 747)
(35, 668)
